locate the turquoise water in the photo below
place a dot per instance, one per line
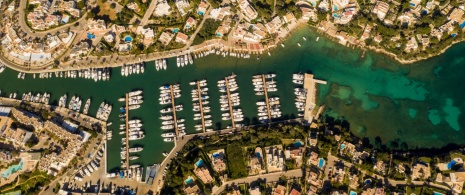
(199, 163)
(321, 163)
(189, 180)
(420, 104)
(12, 169)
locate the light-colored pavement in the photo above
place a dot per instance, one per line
(149, 12)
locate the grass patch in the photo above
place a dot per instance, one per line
(236, 164)
(105, 9)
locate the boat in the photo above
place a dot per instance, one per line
(165, 154)
(304, 38)
(168, 139)
(167, 135)
(282, 45)
(318, 38)
(298, 44)
(167, 127)
(122, 99)
(86, 107)
(136, 149)
(134, 93)
(133, 157)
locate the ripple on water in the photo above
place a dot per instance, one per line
(451, 113)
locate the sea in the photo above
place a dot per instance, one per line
(419, 104)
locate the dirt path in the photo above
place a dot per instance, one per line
(17, 182)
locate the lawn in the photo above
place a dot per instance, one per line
(105, 9)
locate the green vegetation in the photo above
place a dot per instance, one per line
(236, 161)
(208, 31)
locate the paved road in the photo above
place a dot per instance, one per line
(149, 12)
(270, 177)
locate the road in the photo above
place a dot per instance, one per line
(270, 177)
(149, 12)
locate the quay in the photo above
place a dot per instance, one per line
(127, 132)
(266, 98)
(310, 101)
(174, 111)
(230, 103)
(199, 93)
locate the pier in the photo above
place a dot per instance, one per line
(199, 93)
(127, 131)
(230, 103)
(310, 101)
(174, 111)
(266, 98)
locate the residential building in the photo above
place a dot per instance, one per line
(182, 5)
(411, 44)
(381, 9)
(181, 38)
(421, 170)
(294, 192)
(279, 190)
(191, 24)
(162, 9)
(166, 37)
(289, 17)
(314, 178)
(247, 10)
(274, 158)
(191, 187)
(309, 14)
(16, 135)
(274, 25)
(202, 172)
(203, 6)
(27, 119)
(220, 13)
(82, 48)
(30, 160)
(456, 15)
(218, 161)
(255, 190)
(380, 166)
(256, 162)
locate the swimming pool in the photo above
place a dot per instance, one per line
(437, 193)
(128, 39)
(342, 146)
(352, 193)
(451, 164)
(12, 169)
(176, 30)
(198, 163)
(189, 180)
(335, 8)
(90, 36)
(321, 163)
(462, 25)
(298, 144)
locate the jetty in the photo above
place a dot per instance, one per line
(266, 98)
(127, 131)
(230, 103)
(174, 111)
(199, 93)
(310, 101)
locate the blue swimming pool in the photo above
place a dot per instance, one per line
(90, 36)
(342, 146)
(189, 180)
(462, 25)
(453, 35)
(367, 182)
(451, 164)
(352, 193)
(335, 15)
(12, 169)
(437, 193)
(298, 144)
(198, 163)
(412, 4)
(128, 39)
(215, 155)
(335, 8)
(321, 163)
(200, 13)
(176, 30)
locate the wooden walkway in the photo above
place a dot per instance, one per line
(266, 98)
(199, 93)
(174, 111)
(230, 103)
(127, 132)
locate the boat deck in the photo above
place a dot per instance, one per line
(199, 93)
(230, 103)
(266, 98)
(174, 111)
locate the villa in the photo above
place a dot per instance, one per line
(16, 135)
(191, 24)
(249, 12)
(96, 26)
(203, 6)
(279, 190)
(274, 25)
(218, 162)
(274, 158)
(381, 9)
(411, 44)
(166, 37)
(220, 13)
(314, 178)
(309, 14)
(181, 38)
(80, 49)
(255, 190)
(133, 6)
(109, 38)
(182, 5)
(295, 153)
(256, 162)
(289, 17)
(313, 159)
(70, 7)
(163, 9)
(380, 166)
(191, 187)
(450, 165)
(420, 171)
(202, 172)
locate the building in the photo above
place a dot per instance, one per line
(420, 171)
(182, 5)
(80, 49)
(294, 153)
(456, 15)
(16, 135)
(411, 44)
(274, 158)
(218, 161)
(279, 190)
(203, 6)
(294, 192)
(309, 14)
(30, 160)
(274, 25)
(162, 9)
(256, 162)
(220, 13)
(381, 9)
(289, 17)
(191, 24)
(255, 190)
(27, 119)
(191, 187)
(181, 38)
(247, 10)
(166, 37)
(202, 172)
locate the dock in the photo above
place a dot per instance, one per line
(310, 101)
(266, 97)
(230, 103)
(174, 111)
(199, 93)
(127, 131)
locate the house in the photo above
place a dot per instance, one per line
(181, 38)
(255, 190)
(82, 48)
(411, 44)
(456, 15)
(220, 13)
(313, 158)
(309, 14)
(30, 160)
(247, 10)
(380, 166)
(279, 190)
(256, 162)
(294, 153)
(294, 192)
(202, 172)
(133, 6)
(203, 6)
(218, 161)
(16, 135)
(274, 158)
(289, 17)
(191, 187)
(109, 38)
(381, 9)
(182, 5)
(378, 38)
(165, 38)
(421, 170)
(191, 24)
(314, 178)
(162, 9)
(274, 25)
